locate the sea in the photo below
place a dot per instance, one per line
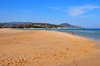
(87, 33)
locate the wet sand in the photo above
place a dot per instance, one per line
(46, 48)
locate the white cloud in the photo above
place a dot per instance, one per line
(55, 7)
(75, 11)
(87, 16)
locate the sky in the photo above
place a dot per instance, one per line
(84, 13)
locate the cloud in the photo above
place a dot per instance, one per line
(87, 16)
(75, 11)
(55, 7)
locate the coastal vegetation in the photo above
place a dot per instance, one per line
(38, 25)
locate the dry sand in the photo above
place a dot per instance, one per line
(46, 48)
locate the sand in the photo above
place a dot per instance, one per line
(46, 48)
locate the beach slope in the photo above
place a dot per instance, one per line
(46, 48)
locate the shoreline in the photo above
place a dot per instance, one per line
(46, 48)
(88, 38)
(63, 32)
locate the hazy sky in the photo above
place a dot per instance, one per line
(85, 13)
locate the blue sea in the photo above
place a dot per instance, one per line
(88, 33)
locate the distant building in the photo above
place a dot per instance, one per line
(1, 27)
(46, 25)
(59, 27)
(65, 27)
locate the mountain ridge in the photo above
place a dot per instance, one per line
(41, 25)
(67, 25)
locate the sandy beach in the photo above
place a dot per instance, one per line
(47, 48)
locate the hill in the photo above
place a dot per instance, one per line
(38, 25)
(67, 25)
(11, 24)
